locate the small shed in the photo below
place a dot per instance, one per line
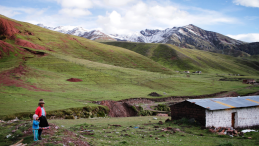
(249, 81)
(236, 112)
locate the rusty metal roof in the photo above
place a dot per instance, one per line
(227, 102)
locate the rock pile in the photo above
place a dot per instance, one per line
(160, 123)
(154, 94)
(225, 131)
(74, 80)
(162, 115)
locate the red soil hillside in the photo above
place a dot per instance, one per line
(25, 43)
(12, 78)
(5, 49)
(8, 28)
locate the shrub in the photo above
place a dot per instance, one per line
(134, 108)
(146, 113)
(68, 112)
(101, 114)
(141, 108)
(9, 117)
(162, 107)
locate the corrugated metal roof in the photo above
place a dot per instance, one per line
(227, 102)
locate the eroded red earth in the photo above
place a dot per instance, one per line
(8, 28)
(28, 44)
(13, 78)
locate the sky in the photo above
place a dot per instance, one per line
(238, 19)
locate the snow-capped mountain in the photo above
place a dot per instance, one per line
(176, 34)
(79, 31)
(189, 36)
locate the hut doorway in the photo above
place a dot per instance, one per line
(233, 120)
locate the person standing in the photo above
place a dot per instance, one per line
(35, 127)
(41, 112)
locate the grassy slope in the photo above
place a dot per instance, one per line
(190, 59)
(108, 73)
(82, 48)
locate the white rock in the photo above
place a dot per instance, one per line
(248, 130)
(7, 136)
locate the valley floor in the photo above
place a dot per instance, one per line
(124, 131)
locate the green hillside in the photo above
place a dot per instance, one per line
(36, 63)
(181, 59)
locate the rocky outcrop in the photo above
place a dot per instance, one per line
(250, 48)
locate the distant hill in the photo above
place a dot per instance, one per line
(181, 59)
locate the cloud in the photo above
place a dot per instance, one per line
(12, 11)
(117, 3)
(144, 15)
(75, 3)
(108, 4)
(247, 3)
(251, 37)
(75, 8)
(75, 12)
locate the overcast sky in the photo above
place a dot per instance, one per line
(236, 18)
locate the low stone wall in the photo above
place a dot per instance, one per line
(133, 101)
(166, 99)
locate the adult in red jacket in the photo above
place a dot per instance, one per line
(40, 111)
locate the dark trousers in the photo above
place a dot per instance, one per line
(39, 132)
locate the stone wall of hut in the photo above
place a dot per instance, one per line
(188, 110)
(244, 117)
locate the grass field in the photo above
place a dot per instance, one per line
(133, 131)
(105, 134)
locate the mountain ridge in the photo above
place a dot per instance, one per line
(189, 36)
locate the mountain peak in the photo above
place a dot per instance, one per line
(189, 36)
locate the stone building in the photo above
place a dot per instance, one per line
(237, 112)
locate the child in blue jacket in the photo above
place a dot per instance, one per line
(35, 126)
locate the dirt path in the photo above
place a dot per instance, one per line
(256, 93)
(227, 94)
